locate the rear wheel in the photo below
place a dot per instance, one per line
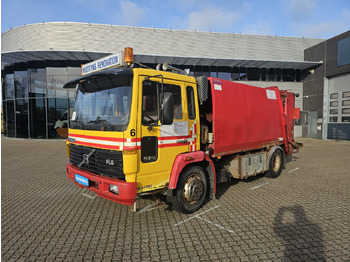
(276, 163)
(191, 190)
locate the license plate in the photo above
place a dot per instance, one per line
(82, 180)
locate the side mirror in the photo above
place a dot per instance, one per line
(167, 110)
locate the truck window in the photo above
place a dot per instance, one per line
(190, 103)
(176, 91)
(150, 101)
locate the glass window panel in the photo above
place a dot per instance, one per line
(298, 75)
(242, 74)
(21, 73)
(263, 74)
(235, 73)
(21, 87)
(346, 94)
(278, 74)
(150, 107)
(213, 71)
(37, 87)
(333, 119)
(345, 119)
(271, 74)
(74, 70)
(198, 71)
(9, 87)
(224, 75)
(176, 91)
(72, 77)
(4, 117)
(343, 52)
(254, 74)
(345, 111)
(11, 125)
(191, 105)
(37, 71)
(346, 103)
(22, 118)
(224, 72)
(37, 118)
(206, 71)
(333, 111)
(57, 117)
(71, 92)
(334, 96)
(334, 103)
(73, 73)
(55, 86)
(56, 71)
(288, 75)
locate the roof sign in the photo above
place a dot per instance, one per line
(115, 60)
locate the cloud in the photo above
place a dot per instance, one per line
(259, 28)
(326, 29)
(213, 18)
(300, 10)
(131, 13)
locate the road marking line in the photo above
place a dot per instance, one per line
(195, 216)
(259, 186)
(217, 225)
(295, 169)
(208, 221)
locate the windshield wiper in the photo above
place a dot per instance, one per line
(78, 122)
(102, 121)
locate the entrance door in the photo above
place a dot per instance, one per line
(313, 124)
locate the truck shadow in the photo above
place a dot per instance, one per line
(302, 238)
(222, 188)
(291, 159)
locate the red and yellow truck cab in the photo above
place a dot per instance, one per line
(136, 131)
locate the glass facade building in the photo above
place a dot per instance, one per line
(35, 105)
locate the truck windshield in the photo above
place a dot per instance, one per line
(103, 103)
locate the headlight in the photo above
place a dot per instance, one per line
(114, 189)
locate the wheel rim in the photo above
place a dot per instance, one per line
(193, 189)
(276, 164)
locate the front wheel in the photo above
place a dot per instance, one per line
(276, 163)
(191, 190)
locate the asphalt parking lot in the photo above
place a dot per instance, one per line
(303, 215)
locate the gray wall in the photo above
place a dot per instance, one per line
(315, 87)
(111, 38)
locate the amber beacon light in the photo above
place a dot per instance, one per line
(128, 55)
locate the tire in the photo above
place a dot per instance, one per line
(276, 163)
(191, 190)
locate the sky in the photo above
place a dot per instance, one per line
(293, 18)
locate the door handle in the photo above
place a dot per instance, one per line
(182, 141)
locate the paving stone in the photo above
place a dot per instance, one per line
(303, 215)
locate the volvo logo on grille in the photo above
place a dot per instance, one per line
(86, 158)
(71, 139)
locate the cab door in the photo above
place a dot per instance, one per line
(160, 144)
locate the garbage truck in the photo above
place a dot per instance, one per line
(138, 131)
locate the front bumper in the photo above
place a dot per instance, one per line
(100, 185)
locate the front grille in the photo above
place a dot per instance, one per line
(103, 162)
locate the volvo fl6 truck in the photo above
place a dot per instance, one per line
(140, 131)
